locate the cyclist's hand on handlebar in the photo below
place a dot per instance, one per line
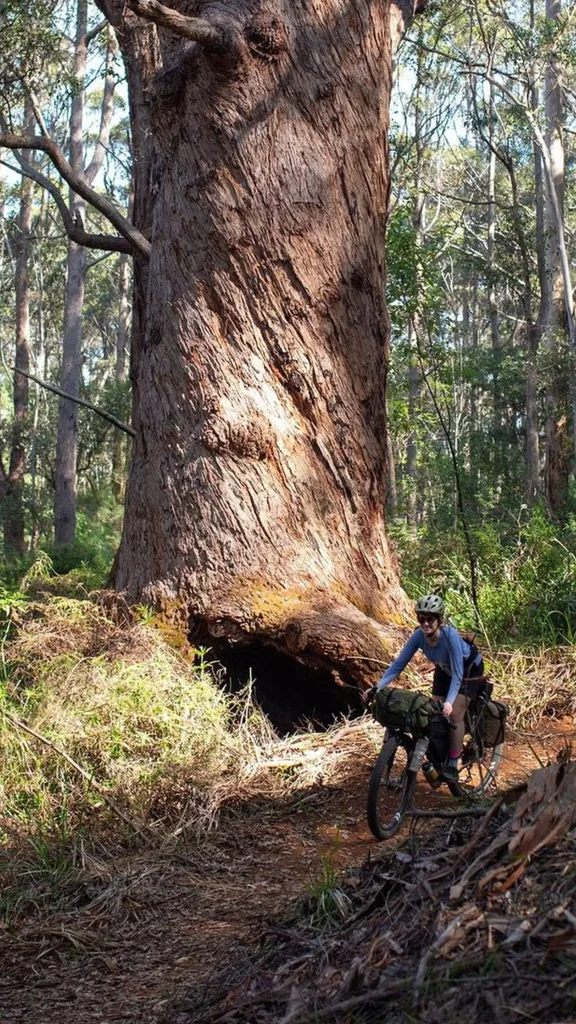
(447, 709)
(369, 695)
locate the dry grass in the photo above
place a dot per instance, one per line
(535, 684)
(111, 739)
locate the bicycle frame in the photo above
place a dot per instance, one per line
(389, 777)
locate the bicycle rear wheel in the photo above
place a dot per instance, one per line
(391, 789)
(477, 777)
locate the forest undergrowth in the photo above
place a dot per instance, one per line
(116, 733)
(525, 575)
(124, 758)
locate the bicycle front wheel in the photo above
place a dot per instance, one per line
(391, 789)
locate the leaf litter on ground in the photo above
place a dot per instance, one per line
(482, 929)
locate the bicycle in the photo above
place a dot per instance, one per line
(393, 779)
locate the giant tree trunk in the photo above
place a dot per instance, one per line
(255, 504)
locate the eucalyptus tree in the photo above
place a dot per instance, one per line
(511, 65)
(31, 39)
(67, 441)
(557, 445)
(12, 474)
(52, 75)
(255, 503)
(537, 43)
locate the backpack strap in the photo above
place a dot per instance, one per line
(469, 638)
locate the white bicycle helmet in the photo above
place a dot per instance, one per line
(431, 604)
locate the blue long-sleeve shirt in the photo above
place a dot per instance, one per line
(449, 653)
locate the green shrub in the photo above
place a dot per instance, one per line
(526, 576)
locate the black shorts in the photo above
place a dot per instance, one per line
(443, 680)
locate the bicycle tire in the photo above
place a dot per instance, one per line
(398, 796)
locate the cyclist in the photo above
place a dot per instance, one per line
(458, 674)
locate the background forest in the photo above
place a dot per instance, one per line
(132, 773)
(480, 257)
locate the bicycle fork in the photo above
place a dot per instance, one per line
(418, 755)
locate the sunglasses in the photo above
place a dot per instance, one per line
(427, 618)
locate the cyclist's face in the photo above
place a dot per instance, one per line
(428, 623)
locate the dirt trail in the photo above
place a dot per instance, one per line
(163, 931)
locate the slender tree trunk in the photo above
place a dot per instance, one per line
(414, 329)
(531, 336)
(39, 364)
(470, 342)
(532, 434)
(498, 400)
(557, 443)
(533, 330)
(255, 505)
(13, 484)
(414, 385)
(67, 439)
(119, 441)
(392, 490)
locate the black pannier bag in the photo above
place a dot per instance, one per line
(403, 709)
(439, 737)
(494, 715)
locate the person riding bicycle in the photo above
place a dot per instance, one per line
(458, 674)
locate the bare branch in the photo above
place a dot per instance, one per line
(197, 29)
(91, 35)
(36, 108)
(78, 184)
(461, 812)
(79, 401)
(75, 231)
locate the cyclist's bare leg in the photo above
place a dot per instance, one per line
(457, 735)
(457, 718)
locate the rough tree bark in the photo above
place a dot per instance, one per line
(255, 503)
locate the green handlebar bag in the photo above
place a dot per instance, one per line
(404, 709)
